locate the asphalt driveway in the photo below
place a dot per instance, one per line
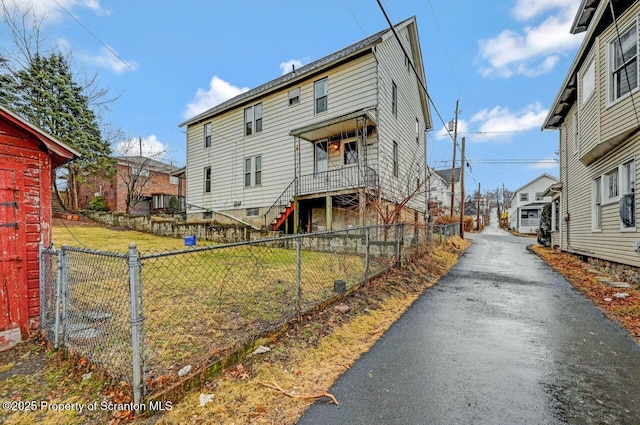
(501, 339)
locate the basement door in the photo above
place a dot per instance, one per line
(13, 286)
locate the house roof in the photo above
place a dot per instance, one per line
(446, 174)
(60, 152)
(549, 176)
(147, 163)
(320, 65)
(593, 17)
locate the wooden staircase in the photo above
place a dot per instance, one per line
(282, 216)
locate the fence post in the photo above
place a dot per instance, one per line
(41, 281)
(399, 244)
(60, 278)
(367, 237)
(135, 322)
(298, 274)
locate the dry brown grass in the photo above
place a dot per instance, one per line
(625, 312)
(314, 351)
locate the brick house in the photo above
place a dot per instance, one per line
(157, 184)
(27, 157)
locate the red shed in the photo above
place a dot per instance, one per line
(27, 157)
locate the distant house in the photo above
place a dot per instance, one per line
(446, 175)
(155, 182)
(527, 203)
(321, 146)
(27, 157)
(596, 113)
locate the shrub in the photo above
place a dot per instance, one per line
(98, 204)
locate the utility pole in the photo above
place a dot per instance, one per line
(453, 166)
(462, 168)
(478, 217)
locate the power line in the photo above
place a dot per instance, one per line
(444, 46)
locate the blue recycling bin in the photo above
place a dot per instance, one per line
(190, 240)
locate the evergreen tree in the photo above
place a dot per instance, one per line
(8, 85)
(49, 97)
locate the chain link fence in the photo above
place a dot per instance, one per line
(145, 316)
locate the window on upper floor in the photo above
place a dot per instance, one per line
(174, 180)
(623, 63)
(294, 96)
(524, 197)
(207, 135)
(253, 119)
(576, 136)
(321, 92)
(539, 196)
(207, 180)
(350, 153)
(253, 171)
(394, 99)
(588, 82)
(396, 166)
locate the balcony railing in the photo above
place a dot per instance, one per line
(340, 179)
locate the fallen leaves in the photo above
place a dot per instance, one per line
(624, 311)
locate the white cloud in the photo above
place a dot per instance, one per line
(107, 59)
(545, 164)
(535, 49)
(286, 67)
(151, 147)
(500, 123)
(50, 11)
(219, 91)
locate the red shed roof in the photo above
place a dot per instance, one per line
(61, 153)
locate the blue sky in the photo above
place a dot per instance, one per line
(503, 59)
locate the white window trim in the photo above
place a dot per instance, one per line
(204, 186)
(251, 172)
(316, 97)
(624, 229)
(576, 133)
(208, 126)
(594, 226)
(585, 100)
(254, 120)
(606, 200)
(610, 44)
(294, 97)
(342, 152)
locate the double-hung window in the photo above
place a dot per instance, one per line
(207, 135)
(611, 192)
(396, 167)
(253, 119)
(253, 171)
(627, 198)
(623, 63)
(321, 91)
(394, 99)
(321, 156)
(294, 96)
(524, 197)
(597, 203)
(207, 180)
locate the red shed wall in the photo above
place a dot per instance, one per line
(23, 154)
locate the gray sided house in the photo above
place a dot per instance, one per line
(596, 113)
(335, 143)
(527, 203)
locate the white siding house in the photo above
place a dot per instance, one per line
(322, 147)
(527, 203)
(596, 114)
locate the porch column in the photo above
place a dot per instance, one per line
(296, 215)
(362, 202)
(329, 210)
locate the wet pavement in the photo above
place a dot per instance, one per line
(501, 339)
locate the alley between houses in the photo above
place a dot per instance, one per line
(501, 339)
